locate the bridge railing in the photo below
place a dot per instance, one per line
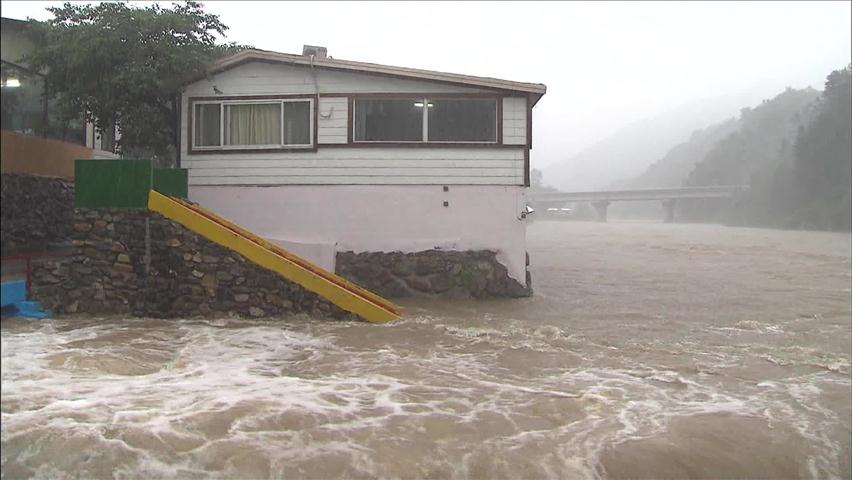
(711, 191)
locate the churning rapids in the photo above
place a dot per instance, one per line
(648, 351)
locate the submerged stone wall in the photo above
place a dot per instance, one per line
(36, 214)
(187, 275)
(431, 273)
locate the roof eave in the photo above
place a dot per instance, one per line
(367, 68)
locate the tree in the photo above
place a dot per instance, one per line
(537, 182)
(124, 65)
(536, 178)
(759, 154)
(823, 157)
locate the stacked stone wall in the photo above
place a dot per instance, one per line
(109, 272)
(36, 213)
(431, 273)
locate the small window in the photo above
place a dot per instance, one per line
(462, 120)
(236, 124)
(389, 120)
(207, 125)
(297, 123)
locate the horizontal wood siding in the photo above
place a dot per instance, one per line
(515, 121)
(333, 119)
(257, 78)
(334, 162)
(417, 180)
(345, 166)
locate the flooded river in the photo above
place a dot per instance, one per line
(648, 351)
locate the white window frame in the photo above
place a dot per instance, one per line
(425, 136)
(272, 101)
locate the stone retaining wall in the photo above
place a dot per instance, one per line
(187, 275)
(431, 273)
(36, 213)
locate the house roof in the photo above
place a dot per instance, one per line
(12, 22)
(17, 41)
(536, 90)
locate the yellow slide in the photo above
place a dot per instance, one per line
(337, 290)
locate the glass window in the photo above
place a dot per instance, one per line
(273, 123)
(426, 120)
(297, 123)
(389, 120)
(253, 124)
(22, 100)
(462, 120)
(24, 110)
(207, 125)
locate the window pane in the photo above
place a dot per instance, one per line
(206, 125)
(389, 120)
(22, 100)
(297, 123)
(253, 124)
(465, 120)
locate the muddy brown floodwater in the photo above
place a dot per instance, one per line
(648, 351)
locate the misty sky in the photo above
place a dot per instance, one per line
(605, 64)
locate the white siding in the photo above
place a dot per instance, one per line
(515, 121)
(378, 218)
(347, 165)
(333, 118)
(258, 78)
(361, 166)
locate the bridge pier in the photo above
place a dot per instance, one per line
(669, 207)
(600, 207)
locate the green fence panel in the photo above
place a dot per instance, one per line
(171, 181)
(112, 183)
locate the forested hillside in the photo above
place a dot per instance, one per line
(762, 141)
(678, 163)
(822, 170)
(794, 151)
(758, 154)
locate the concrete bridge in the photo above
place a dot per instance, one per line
(601, 199)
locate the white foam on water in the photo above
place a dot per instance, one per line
(217, 399)
(796, 355)
(750, 326)
(796, 401)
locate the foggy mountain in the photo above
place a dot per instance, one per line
(764, 139)
(678, 163)
(793, 151)
(741, 150)
(629, 151)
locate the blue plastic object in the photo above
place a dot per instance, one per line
(14, 301)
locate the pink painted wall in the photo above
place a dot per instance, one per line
(407, 218)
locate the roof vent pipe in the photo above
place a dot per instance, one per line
(315, 51)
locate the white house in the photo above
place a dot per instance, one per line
(324, 155)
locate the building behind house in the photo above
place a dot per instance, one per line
(36, 137)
